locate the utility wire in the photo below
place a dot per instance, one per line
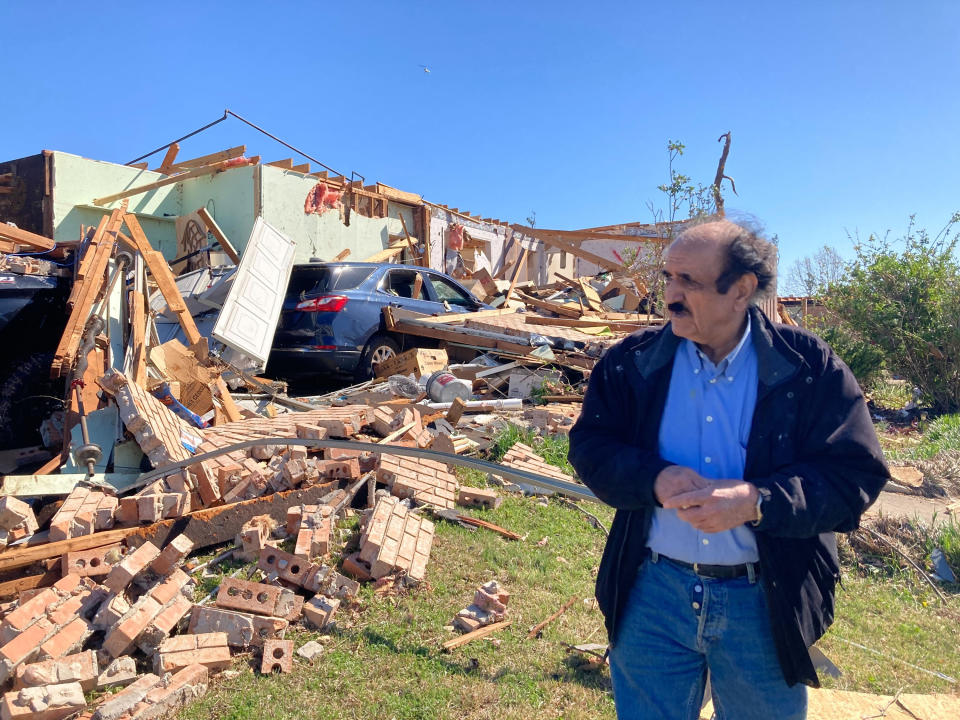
(227, 113)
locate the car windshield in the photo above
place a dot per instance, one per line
(319, 280)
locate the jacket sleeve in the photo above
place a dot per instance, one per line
(603, 443)
(839, 468)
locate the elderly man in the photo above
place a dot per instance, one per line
(732, 450)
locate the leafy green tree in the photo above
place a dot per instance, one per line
(903, 298)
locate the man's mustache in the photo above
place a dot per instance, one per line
(677, 307)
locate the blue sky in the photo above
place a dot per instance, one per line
(843, 114)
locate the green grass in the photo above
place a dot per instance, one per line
(938, 436)
(383, 660)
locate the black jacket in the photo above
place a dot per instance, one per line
(812, 452)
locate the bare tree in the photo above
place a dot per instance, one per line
(813, 274)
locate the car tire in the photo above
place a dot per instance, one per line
(380, 348)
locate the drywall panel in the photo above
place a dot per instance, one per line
(76, 181)
(321, 236)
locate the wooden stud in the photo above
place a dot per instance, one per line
(219, 235)
(25, 237)
(286, 164)
(305, 168)
(169, 158)
(203, 160)
(475, 635)
(342, 255)
(516, 274)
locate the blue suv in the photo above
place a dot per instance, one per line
(331, 323)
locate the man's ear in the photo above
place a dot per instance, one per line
(745, 287)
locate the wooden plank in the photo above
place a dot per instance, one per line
(14, 587)
(285, 164)
(230, 408)
(342, 255)
(593, 299)
(413, 251)
(585, 322)
(476, 635)
(564, 309)
(461, 317)
(516, 274)
(197, 172)
(94, 277)
(417, 287)
(216, 157)
(391, 193)
(305, 168)
(574, 235)
(160, 270)
(25, 237)
(574, 250)
(169, 159)
(395, 248)
(394, 318)
(140, 165)
(219, 235)
(138, 327)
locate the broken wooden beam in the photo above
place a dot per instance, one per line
(538, 628)
(476, 635)
(25, 237)
(219, 235)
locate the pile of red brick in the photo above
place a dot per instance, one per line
(523, 457)
(489, 606)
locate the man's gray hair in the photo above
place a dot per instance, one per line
(747, 251)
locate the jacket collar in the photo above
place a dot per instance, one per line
(777, 362)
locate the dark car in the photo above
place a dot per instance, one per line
(331, 324)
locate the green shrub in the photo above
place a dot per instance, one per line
(902, 300)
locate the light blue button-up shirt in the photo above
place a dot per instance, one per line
(705, 426)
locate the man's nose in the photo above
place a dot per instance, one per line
(672, 293)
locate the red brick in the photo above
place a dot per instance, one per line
(24, 647)
(119, 705)
(319, 610)
(277, 656)
(172, 554)
(185, 685)
(245, 596)
(176, 653)
(166, 590)
(163, 624)
(91, 563)
(51, 702)
(121, 637)
(242, 629)
(79, 667)
(131, 566)
(27, 613)
(15, 512)
(66, 640)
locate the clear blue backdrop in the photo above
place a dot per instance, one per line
(843, 114)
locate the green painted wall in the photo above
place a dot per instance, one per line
(323, 236)
(229, 197)
(77, 181)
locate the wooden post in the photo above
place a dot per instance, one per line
(219, 235)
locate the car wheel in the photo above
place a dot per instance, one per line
(379, 348)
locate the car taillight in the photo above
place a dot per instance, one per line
(324, 303)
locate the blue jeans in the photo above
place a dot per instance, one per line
(675, 627)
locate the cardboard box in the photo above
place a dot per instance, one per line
(419, 361)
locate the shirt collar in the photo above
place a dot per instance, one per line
(700, 360)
